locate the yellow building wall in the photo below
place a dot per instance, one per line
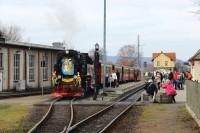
(162, 59)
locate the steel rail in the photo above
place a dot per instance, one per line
(115, 119)
(36, 126)
(131, 93)
(103, 110)
(71, 118)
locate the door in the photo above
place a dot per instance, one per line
(1, 81)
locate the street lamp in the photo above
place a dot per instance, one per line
(96, 47)
(96, 74)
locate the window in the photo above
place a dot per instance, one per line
(16, 67)
(166, 63)
(158, 63)
(45, 66)
(31, 68)
(1, 60)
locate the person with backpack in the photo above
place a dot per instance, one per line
(151, 89)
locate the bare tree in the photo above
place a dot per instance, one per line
(127, 55)
(11, 32)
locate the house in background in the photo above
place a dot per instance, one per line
(195, 66)
(164, 60)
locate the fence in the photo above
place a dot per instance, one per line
(193, 99)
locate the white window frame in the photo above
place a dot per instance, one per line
(158, 63)
(16, 67)
(31, 68)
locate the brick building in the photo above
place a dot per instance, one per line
(26, 65)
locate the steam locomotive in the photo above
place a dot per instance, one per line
(73, 74)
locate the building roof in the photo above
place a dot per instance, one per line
(31, 45)
(196, 56)
(171, 55)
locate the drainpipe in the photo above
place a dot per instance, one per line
(25, 70)
(38, 69)
(8, 68)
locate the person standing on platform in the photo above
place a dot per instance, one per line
(170, 76)
(158, 79)
(175, 77)
(189, 75)
(114, 79)
(118, 77)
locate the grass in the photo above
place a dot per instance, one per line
(167, 118)
(151, 112)
(11, 117)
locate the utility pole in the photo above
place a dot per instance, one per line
(104, 46)
(138, 41)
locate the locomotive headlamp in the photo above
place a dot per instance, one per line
(96, 46)
(59, 76)
(67, 51)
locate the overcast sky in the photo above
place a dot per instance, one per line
(163, 25)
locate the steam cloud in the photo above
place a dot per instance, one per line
(64, 19)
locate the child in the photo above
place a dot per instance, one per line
(169, 89)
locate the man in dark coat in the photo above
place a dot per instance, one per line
(118, 76)
(151, 89)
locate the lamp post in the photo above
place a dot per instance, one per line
(104, 46)
(96, 75)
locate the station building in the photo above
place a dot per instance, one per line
(195, 66)
(25, 66)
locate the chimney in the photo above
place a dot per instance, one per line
(58, 45)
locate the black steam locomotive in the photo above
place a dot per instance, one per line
(70, 74)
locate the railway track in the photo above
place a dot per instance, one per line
(100, 121)
(55, 120)
(60, 118)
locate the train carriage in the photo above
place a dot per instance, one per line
(131, 74)
(125, 74)
(119, 69)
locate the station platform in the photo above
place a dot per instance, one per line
(11, 94)
(111, 93)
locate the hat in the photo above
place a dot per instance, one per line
(150, 80)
